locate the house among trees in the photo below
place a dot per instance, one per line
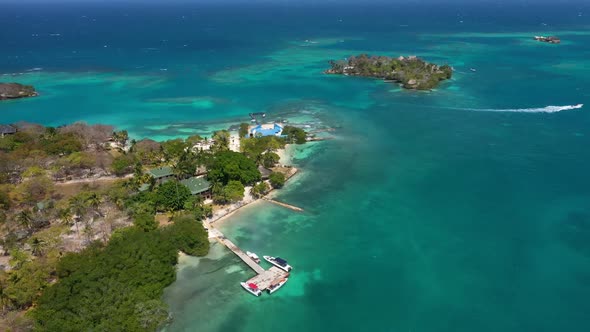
(162, 174)
(204, 145)
(7, 130)
(264, 172)
(267, 129)
(198, 186)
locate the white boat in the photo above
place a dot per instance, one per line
(278, 262)
(251, 288)
(253, 256)
(277, 284)
(578, 106)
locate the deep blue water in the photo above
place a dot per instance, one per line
(438, 211)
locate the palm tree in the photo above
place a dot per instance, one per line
(94, 201)
(121, 137)
(119, 202)
(25, 218)
(221, 139)
(186, 165)
(138, 169)
(88, 231)
(78, 207)
(66, 217)
(37, 246)
(131, 184)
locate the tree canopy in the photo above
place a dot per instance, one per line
(277, 180)
(295, 134)
(412, 72)
(230, 165)
(171, 196)
(231, 193)
(118, 287)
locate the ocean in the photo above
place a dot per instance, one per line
(465, 208)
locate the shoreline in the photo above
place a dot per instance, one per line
(222, 215)
(227, 211)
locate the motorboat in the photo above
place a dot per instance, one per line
(251, 288)
(253, 256)
(277, 284)
(278, 262)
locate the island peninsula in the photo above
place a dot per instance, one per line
(16, 90)
(79, 201)
(411, 72)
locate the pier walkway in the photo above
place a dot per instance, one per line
(285, 205)
(231, 246)
(263, 278)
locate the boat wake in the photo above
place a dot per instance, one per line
(547, 109)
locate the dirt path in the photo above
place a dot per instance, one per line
(92, 180)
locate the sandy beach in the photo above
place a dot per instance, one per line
(222, 213)
(286, 154)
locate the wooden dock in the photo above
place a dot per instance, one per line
(285, 205)
(264, 278)
(231, 246)
(269, 277)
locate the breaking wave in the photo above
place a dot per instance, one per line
(547, 109)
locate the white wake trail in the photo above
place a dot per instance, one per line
(547, 109)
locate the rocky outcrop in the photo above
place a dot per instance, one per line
(550, 39)
(16, 90)
(411, 72)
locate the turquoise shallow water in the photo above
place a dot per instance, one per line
(424, 214)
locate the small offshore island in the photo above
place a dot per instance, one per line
(16, 90)
(411, 72)
(550, 39)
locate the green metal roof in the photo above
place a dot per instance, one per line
(197, 185)
(161, 172)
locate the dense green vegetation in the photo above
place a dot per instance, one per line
(263, 150)
(260, 189)
(295, 135)
(229, 165)
(118, 287)
(277, 180)
(243, 132)
(411, 72)
(123, 164)
(231, 193)
(171, 196)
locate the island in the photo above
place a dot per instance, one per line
(550, 39)
(411, 72)
(79, 201)
(16, 90)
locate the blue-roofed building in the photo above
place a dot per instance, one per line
(268, 129)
